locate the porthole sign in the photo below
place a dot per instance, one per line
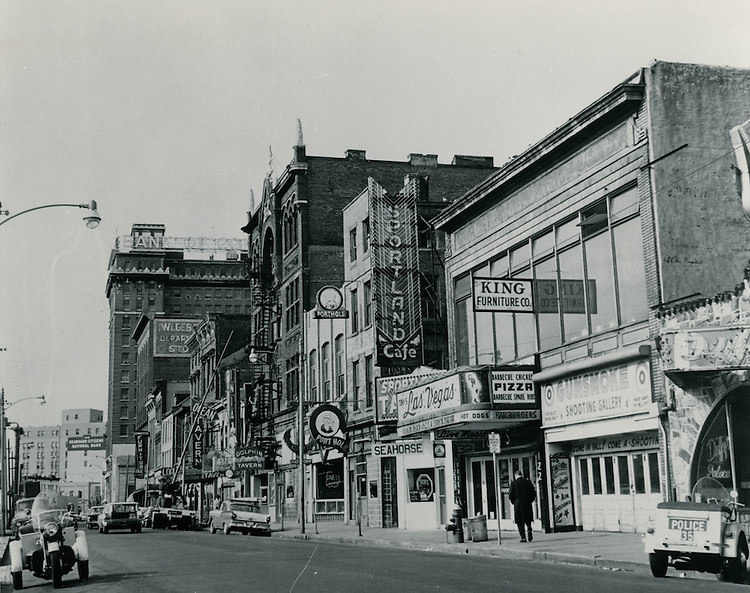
(328, 428)
(330, 304)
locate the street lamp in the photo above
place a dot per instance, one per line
(4, 456)
(92, 219)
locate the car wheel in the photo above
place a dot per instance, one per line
(738, 566)
(226, 529)
(83, 570)
(17, 580)
(106, 529)
(211, 527)
(658, 562)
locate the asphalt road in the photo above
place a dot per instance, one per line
(198, 562)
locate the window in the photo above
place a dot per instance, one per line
(325, 364)
(355, 311)
(313, 366)
(125, 358)
(367, 294)
(292, 303)
(353, 244)
(355, 385)
(366, 235)
(125, 377)
(338, 347)
(369, 381)
(123, 430)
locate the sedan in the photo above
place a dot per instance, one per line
(240, 514)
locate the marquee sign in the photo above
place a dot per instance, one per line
(395, 264)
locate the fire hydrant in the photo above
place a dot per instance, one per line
(454, 527)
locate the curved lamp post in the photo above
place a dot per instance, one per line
(92, 219)
(4, 456)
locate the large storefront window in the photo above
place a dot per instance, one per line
(589, 278)
(631, 277)
(599, 271)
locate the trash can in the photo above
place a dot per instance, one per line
(466, 529)
(478, 527)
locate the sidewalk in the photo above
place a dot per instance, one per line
(613, 551)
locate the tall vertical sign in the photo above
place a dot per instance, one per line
(141, 454)
(395, 273)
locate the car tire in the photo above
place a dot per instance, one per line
(227, 530)
(83, 570)
(211, 527)
(658, 562)
(106, 529)
(17, 580)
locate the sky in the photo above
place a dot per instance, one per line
(173, 112)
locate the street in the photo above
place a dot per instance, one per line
(182, 562)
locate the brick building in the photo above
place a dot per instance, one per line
(629, 207)
(297, 246)
(174, 279)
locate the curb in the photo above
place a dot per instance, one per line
(462, 550)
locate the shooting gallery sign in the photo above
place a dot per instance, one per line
(328, 428)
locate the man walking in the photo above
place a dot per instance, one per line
(522, 494)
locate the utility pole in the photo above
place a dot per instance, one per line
(301, 429)
(3, 467)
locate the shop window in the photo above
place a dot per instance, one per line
(630, 270)
(584, 465)
(639, 477)
(609, 474)
(600, 277)
(623, 474)
(596, 474)
(421, 484)
(653, 473)
(547, 299)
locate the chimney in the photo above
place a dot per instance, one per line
(423, 160)
(474, 162)
(355, 155)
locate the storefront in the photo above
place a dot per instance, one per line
(456, 411)
(601, 433)
(708, 379)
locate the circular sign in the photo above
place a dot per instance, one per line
(327, 427)
(330, 298)
(229, 473)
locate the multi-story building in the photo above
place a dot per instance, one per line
(297, 246)
(72, 454)
(173, 277)
(562, 260)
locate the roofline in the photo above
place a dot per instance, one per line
(621, 99)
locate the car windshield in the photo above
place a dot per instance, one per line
(123, 508)
(48, 506)
(244, 507)
(24, 505)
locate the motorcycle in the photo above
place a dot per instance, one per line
(48, 544)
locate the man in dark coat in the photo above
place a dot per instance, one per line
(522, 494)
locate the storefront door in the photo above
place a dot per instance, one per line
(483, 489)
(619, 491)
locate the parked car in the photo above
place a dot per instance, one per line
(22, 514)
(709, 533)
(240, 514)
(177, 515)
(92, 517)
(119, 515)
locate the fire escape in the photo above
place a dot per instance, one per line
(264, 387)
